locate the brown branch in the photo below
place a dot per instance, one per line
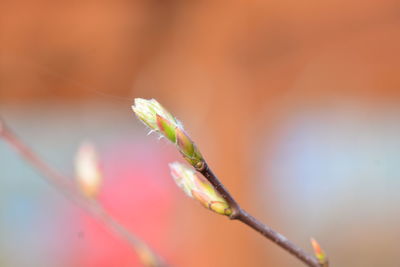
(241, 215)
(146, 255)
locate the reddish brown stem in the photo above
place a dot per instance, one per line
(241, 215)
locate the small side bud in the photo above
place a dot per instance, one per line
(319, 253)
(87, 170)
(146, 256)
(188, 149)
(160, 120)
(199, 188)
(184, 143)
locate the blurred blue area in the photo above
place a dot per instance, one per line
(336, 175)
(31, 213)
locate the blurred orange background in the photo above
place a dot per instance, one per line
(294, 104)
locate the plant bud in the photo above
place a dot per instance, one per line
(88, 173)
(199, 188)
(151, 113)
(319, 253)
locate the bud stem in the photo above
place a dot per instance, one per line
(278, 239)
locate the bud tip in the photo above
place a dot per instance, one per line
(318, 252)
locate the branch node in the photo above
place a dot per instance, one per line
(200, 166)
(235, 215)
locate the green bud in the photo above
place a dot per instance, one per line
(199, 188)
(185, 145)
(166, 128)
(188, 149)
(159, 119)
(147, 111)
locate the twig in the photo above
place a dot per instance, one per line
(239, 214)
(146, 255)
(155, 116)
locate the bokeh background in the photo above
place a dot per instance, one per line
(294, 104)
